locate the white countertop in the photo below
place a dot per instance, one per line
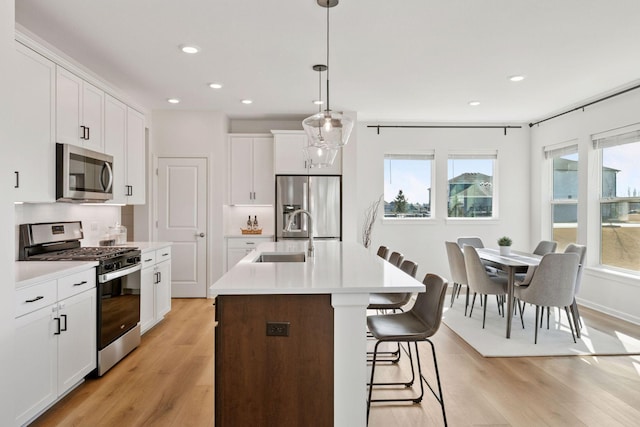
(31, 272)
(146, 246)
(249, 236)
(337, 267)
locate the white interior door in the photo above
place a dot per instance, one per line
(182, 220)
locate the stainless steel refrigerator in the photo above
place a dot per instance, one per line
(320, 195)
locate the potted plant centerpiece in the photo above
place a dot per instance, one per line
(505, 245)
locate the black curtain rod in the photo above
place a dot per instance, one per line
(582, 107)
(378, 127)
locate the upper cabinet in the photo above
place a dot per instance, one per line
(33, 153)
(251, 170)
(79, 111)
(289, 157)
(124, 140)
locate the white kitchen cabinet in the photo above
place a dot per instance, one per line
(33, 151)
(124, 140)
(251, 170)
(155, 287)
(55, 331)
(290, 159)
(239, 247)
(79, 111)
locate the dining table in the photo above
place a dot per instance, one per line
(514, 262)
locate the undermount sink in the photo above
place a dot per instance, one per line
(281, 257)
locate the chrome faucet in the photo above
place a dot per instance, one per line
(290, 222)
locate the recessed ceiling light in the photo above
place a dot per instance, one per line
(189, 48)
(215, 85)
(247, 101)
(318, 102)
(173, 101)
(474, 103)
(516, 78)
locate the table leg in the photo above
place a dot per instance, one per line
(512, 274)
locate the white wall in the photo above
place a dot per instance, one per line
(7, 287)
(424, 243)
(198, 134)
(613, 293)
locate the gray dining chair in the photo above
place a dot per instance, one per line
(474, 241)
(413, 326)
(458, 272)
(481, 282)
(552, 284)
(396, 258)
(545, 247)
(581, 250)
(383, 252)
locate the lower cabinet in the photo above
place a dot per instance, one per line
(239, 247)
(155, 287)
(55, 344)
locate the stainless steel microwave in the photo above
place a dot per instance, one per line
(83, 175)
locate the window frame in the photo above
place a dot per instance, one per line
(412, 155)
(552, 152)
(495, 199)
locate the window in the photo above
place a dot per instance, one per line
(620, 197)
(407, 186)
(564, 200)
(471, 189)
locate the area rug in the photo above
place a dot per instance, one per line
(555, 341)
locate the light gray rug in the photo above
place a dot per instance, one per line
(555, 341)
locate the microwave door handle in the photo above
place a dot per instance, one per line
(107, 187)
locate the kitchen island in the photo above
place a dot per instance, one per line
(283, 308)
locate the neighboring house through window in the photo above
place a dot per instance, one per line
(471, 189)
(564, 200)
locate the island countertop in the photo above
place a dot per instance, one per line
(337, 267)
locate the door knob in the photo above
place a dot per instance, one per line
(200, 235)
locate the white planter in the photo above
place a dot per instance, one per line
(505, 250)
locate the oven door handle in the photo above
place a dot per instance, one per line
(104, 278)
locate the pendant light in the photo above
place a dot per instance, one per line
(320, 155)
(328, 128)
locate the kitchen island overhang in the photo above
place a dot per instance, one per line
(346, 272)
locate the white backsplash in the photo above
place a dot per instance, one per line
(236, 218)
(95, 218)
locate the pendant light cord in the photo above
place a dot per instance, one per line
(327, 6)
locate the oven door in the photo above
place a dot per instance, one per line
(118, 304)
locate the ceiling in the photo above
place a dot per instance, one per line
(408, 60)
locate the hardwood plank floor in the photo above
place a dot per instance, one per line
(168, 381)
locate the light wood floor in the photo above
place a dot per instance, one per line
(168, 381)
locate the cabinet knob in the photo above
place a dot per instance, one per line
(200, 235)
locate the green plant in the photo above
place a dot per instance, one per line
(504, 241)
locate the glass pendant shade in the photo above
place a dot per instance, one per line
(328, 129)
(320, 157)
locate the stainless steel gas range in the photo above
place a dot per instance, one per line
(118, 283)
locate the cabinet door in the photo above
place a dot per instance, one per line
(36, 371)
(235, 255)
(33, 153)
(263, 176)
(241, 168)
(77, 350)
(147, 298)
(289, 154)
(68, 93)
(135, 157)
(92, 117)
(163, 289)
(115, 137)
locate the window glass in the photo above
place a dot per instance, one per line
(564, 204)
(407, 186)
(471, 190)
(620, 206)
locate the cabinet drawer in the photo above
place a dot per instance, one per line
(246, 243)
(76, 283)
(163, 254)
(35, 297)
(148, 259)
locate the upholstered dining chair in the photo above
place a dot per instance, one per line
(413, 326)
(458, 272)
(481, 282)
(545, 247)
(383, 252)
(581, 250)
(474, 241)
(552, 284)
(396, 258)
